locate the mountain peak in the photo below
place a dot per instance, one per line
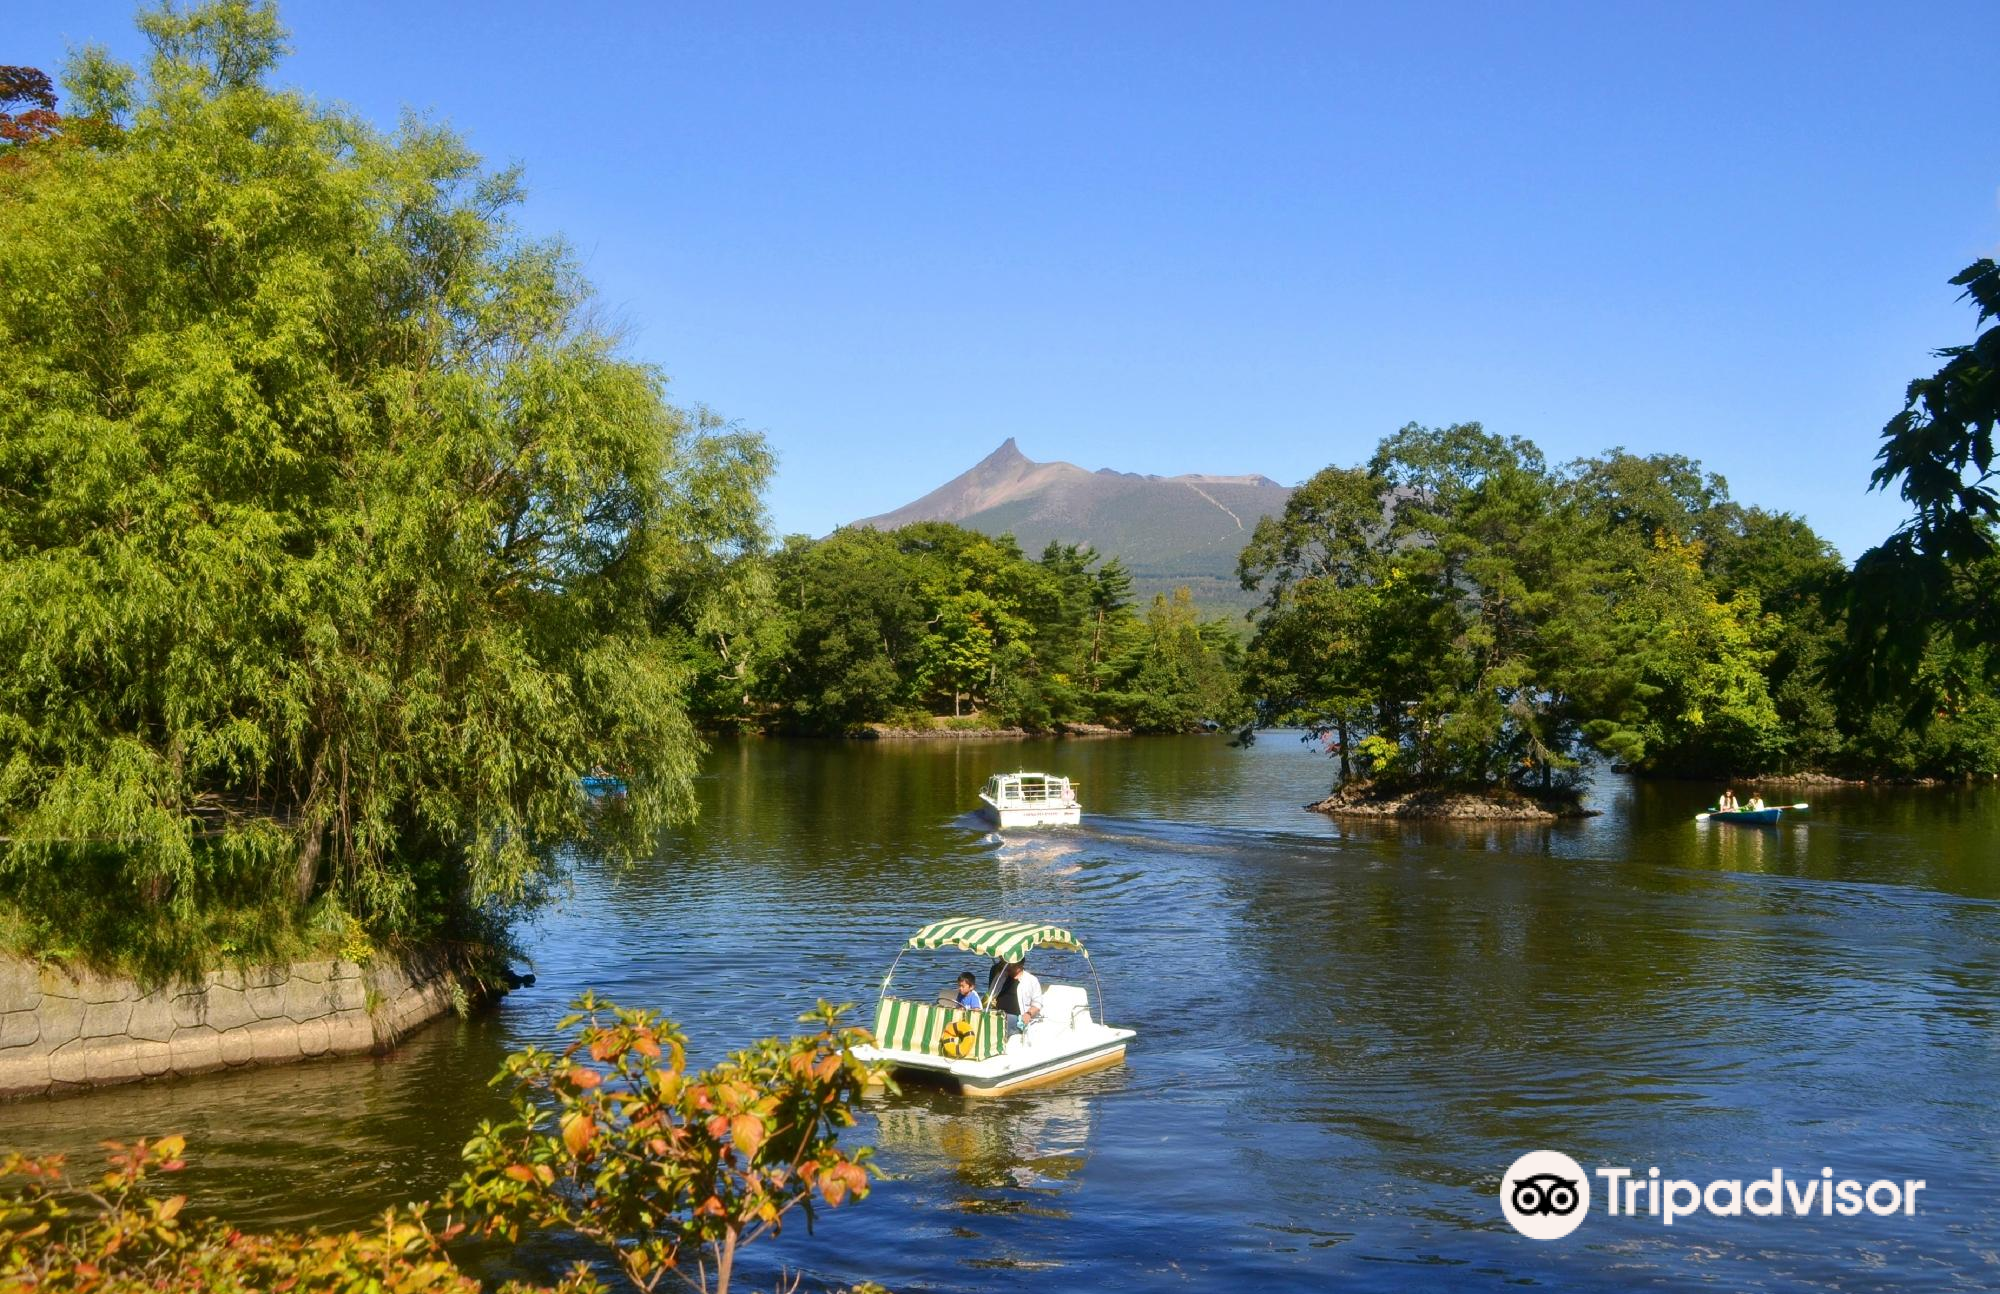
(1001, 477)
(1009, 452)
(1171, 530)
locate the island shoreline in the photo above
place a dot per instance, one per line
(1448, 804)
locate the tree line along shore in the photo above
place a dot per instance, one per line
(338, 539)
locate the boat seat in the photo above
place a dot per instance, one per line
(1065, 1005)
(919, 1026)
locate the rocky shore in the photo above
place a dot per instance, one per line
(1366, 800)
(890, 732)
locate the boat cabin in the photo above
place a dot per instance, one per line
(1026, 799)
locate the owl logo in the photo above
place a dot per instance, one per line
(1545, 1195)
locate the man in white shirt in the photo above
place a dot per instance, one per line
(1027, 992)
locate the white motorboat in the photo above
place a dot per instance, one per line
(1029, 800)
(981, 1053)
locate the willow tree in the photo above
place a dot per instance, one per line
(334, 532)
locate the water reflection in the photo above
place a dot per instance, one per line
(990, 1148)
(326, 1142)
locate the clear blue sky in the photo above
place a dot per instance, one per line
(1228, 238)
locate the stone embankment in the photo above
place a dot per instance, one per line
(63, 1030)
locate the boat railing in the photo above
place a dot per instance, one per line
(1036, 793)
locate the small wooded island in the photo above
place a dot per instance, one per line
(1364, 799)
(1462, 623)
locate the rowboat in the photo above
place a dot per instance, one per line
(987, 1052)
(1764, 817)
(1029, 800)
(1757, 817)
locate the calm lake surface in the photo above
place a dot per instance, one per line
(1346, 1031)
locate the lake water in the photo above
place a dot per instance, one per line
(1346, 1031)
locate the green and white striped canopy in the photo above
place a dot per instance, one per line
(1007, 940)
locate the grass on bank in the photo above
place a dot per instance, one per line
(89, 915)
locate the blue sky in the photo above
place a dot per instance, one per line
(1227, 238)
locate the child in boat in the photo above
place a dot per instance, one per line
(968, 995)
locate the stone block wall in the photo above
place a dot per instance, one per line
(64, 1030)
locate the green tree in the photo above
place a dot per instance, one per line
(1648, 494)
(1477, 537)
(722, 617)
(933, 618)
(1938, 451)
(1934, 572)
(853, 618)
(1318, 658)
(1661, 520)
(1682, 687)
(1111, 618)
(333, 533)
(956, 657)
(1182, 675)
(1800, 584)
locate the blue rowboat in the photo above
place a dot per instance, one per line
(1764, 817)
(1753, 817)
(600, 784)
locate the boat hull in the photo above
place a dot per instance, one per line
(1015, 1073)
(1053, 815)
(1042, 1078)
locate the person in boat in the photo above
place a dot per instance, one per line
(1726, 802)
(1019, 994)
(968, 993)
(1756, 802)
(1001, 990)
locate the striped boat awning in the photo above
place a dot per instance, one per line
(1007, 940)
(920, 1026)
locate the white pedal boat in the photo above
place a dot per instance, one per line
(1029, 800)
(980, 1053)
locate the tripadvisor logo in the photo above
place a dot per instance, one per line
(1545, 1195)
